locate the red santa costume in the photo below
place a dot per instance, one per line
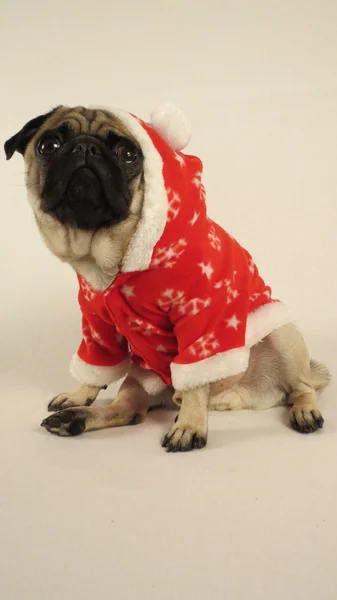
(189, 302)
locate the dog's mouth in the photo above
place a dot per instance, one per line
(90, 198)
(83, 188)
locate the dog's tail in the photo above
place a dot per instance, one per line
(320, 375)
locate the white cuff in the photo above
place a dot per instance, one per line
(220, 366)
(260, 323)
(266, 319)
(97, 376)
(150, 381)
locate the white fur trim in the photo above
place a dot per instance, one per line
(264, 320)
(172, 125)
(150, 381)
(98, 376)
(259, 324)
(153, 219)
(224, 364)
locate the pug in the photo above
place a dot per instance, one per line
(170, 302)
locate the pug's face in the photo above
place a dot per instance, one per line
(83, 166)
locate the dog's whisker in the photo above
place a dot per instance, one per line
(29, 187)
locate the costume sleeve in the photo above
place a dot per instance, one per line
(211, 339)
(103, 355)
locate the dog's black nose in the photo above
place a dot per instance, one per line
(83, 148)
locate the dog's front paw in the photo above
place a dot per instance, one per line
(305, 420)
(183, 439)
(68, 401)
(66, 422)
(85, 395)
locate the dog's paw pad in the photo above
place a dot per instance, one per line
(66, 422)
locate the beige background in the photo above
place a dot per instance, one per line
(109, 514)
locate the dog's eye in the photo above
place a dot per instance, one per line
(126, 154)
(48, 145)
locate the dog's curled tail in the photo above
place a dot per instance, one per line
(320, 375)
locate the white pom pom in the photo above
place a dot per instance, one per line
(172, 124)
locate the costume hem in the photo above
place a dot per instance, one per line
(96, 375)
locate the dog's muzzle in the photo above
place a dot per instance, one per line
(83, 189)
(84, 186)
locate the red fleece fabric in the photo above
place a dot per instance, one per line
(193, 301)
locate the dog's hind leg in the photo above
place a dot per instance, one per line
(279, 372)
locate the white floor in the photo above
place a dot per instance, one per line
(109, 514)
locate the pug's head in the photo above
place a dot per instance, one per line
(83, 166)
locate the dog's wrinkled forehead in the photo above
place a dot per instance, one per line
(96, 122)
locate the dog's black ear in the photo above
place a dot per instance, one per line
(20, 141)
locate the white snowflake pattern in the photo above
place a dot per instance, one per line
(108, 290)
(254, 297)
(197, 179)
(198, 183)
(95, 335)
(214, 239)
(143, 327)
(180, 159)
(204, 346)
(92, 337)
(233, 322)
(171, 298)
(257, 295)
(194, 306)
(128, 290)
(206, 269)
(174, 202)
(161, 348)
(231, 292)
(252, 266)
(194, 218)
(167, 257)
(88, 292)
